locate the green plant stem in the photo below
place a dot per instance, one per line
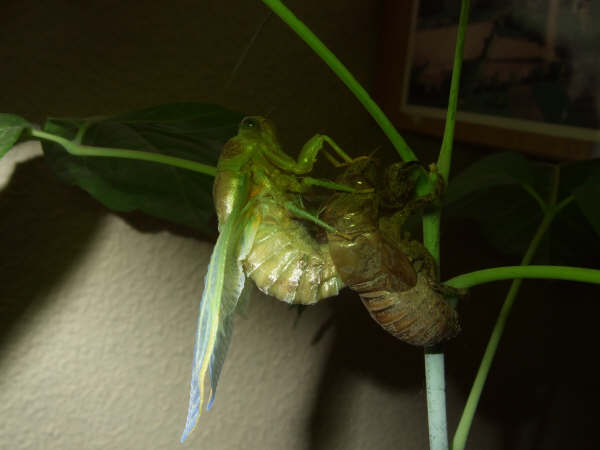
(567, 273)
(434, 360)
(445, 155)
(435, 389)
(343, 74)
(87, 150)
(464, 425)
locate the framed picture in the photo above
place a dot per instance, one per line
(530, 79)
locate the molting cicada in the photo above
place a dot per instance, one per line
(257, 197)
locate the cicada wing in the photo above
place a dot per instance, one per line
(234, 293)
(209, 321)
(218, 356)
(244, 234)
(250, 230)
(244, 301)
(223, 285)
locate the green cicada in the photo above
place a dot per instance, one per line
(257, 197)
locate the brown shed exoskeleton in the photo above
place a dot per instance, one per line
(394, 276)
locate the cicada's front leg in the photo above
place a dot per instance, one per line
(308, 155)
(310, 150)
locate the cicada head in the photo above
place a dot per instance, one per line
(258, 129)
(397, 186)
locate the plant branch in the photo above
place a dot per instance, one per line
(445, 155)
(540, 201)
(87, 150)
(343, 74)
(566, 273)
(464, 425)
(434, 361)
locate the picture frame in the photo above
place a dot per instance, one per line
(530, 79)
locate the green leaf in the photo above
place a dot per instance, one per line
(587, 197)
(508, 216)
(575, 174)
(571, 240)
(576, 228)
(11, 127)
(501, 169)
(191, 131)
(492, 193)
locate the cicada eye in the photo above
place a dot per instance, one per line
(250, 123)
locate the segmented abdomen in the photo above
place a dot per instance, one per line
(402, 300)
(286, 261)
(417, 316)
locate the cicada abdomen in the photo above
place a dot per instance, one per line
(286, 261)
(418, 316)
(395, 280)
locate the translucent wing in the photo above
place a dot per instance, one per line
(223, 286)
(232, 300)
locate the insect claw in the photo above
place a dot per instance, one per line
(334, 162)
(354, 160)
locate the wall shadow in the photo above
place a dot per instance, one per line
(44, 232)
(360, 349)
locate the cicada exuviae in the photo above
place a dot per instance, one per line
(394, 276)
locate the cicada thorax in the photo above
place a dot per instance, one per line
(285, 260)
(399, 290)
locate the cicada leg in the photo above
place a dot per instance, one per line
(303, 214)
(308, 155)
(309, 181)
